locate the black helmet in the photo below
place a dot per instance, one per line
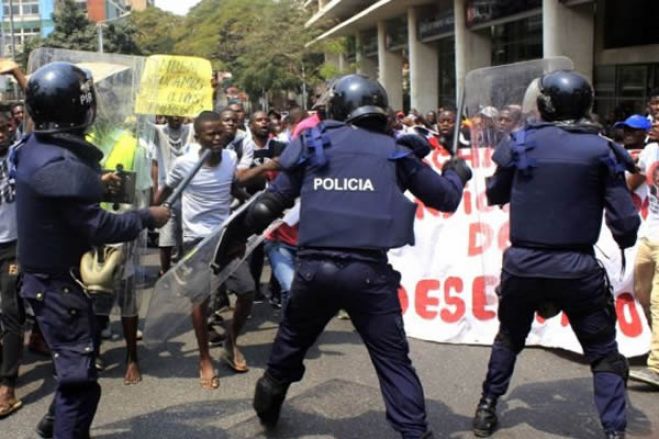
(564, 95)
(355, 97)
(60, 97)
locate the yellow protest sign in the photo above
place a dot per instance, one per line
(175, 86)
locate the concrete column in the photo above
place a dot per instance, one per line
(424, 68)
(365, 65)
(569, 31)
(472, 49)
(390, 69)
(343, 63)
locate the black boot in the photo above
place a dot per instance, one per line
(485, 419)
(615, 435)
(268, 398)
(46, 425)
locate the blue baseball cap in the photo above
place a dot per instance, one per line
(635, 121)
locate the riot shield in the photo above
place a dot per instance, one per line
(114, 273)
(191, 281)
(497, 101)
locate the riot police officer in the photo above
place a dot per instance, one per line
(351, 178)
(559, 176)
(58, 190)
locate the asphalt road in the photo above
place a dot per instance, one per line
(550, 397)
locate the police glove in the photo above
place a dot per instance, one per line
(418, 144)
(459, 166)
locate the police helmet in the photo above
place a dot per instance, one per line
(60, 97)
(353, 98)
(564, 95)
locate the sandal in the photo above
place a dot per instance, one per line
(212, 383)
(228, 357)
(9, 408)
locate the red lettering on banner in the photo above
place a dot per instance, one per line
(403, 299)
(503, 236)
(481, 203)
(466, 201)
(480, 238)
(479, 299)
(539, 319)
(632, 327)
(422, 301)
(455, 284)
(564, 320)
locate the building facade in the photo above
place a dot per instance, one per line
(420, 50)
(31, 18)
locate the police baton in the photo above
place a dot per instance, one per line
(458, 122)
(186, 181)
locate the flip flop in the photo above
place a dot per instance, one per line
(227, 357)
(10, 408)
(212, 383)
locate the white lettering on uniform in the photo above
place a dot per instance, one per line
(343, 184)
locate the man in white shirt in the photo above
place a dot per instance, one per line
(646, 279)
(206, 204)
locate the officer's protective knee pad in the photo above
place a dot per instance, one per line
(612, 363)
(268, 399)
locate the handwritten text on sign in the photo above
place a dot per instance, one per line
(175, 86)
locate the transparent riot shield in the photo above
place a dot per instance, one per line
(191, 281)
(497, 101)
(115, 273)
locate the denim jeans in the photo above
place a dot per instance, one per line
(282, 261)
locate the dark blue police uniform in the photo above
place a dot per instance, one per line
(558, 181)
(58, 189)
(352, 211)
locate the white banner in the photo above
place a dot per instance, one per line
(449, 276)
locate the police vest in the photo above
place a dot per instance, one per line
(353, 201)
(49, 172)
(557, 196)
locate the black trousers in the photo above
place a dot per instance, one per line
(13, 315)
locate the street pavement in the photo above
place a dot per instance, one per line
(550, 397)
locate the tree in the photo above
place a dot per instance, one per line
(262, 42)
(120, 37)
(73, 30)
(157, 31)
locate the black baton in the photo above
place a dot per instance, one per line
(186, 181)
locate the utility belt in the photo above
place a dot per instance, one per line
(369, 255)
(580, 248)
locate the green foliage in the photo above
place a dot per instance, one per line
(262, 42)
(157, 31)
(120, 37)
(73, 30)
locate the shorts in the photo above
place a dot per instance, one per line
(241, 282)
(171, 234)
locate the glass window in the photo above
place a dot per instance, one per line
(15, 8)
(30, 8)
(446, 58)
(623, 90)
(517, 41)
(630, 23)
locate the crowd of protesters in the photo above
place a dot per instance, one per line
(249, 145)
